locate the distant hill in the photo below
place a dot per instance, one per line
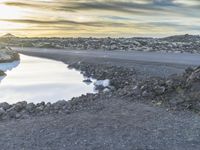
(8, 35)
(182, 38)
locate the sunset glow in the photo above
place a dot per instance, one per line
(99, 17)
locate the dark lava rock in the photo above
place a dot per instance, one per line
(87, 81)
(185, 91)
(2, 73)
(195, 75)
(20, 106)
(30, 107)
(2, 112)
(40, 108)
(159, 90)
(60, 104)
(12, 112)
(40, 104)
(5, 105)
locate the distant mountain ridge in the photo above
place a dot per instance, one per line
(8, 35)
(182, 38)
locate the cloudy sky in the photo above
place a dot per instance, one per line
(116, 18)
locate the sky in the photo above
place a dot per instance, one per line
(99, 18)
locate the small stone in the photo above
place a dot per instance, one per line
(47, 109)
(40, 108)
(5, 106)
(30, 107)
(158, 103)
(40, 104)
(2, 112)
(20, 106)
(17, 115)
(195, 76)
(60, 104)
(145, 94)
(12, 112)
(87, 81)
(159, 89)
(169, 83)
(176, 101)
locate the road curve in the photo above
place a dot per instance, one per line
(151, 57)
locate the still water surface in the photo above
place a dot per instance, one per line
(36, 79)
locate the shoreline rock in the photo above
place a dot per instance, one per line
(8, 55)
(2, 73)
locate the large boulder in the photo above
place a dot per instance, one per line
(5, 106)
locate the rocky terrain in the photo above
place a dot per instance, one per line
(177, 92)
(133, 112)
(137, 110)
(177, 44)
(7, 55)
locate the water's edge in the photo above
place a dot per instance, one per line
(19, 80)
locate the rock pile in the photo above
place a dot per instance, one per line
(185, 92)
(118, 76)
(177, 91)
(23, 109)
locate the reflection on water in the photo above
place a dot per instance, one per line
(1, 78)
(8, 67)
(36, 79)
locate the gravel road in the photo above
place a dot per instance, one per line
(108, 124)
(151, 57)
(116, 125)
(146, 63)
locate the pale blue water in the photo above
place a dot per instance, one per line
(36, 79)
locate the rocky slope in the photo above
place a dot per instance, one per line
(178, 44)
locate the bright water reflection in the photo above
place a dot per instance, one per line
(37, 79)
